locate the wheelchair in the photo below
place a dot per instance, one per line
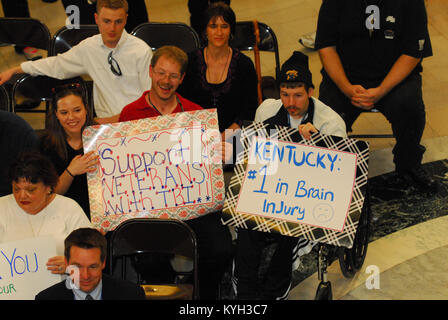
(350, 260)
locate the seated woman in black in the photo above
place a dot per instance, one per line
(219, 76)
(62, 143)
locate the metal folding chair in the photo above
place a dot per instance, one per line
(257, 36)
(64, 39)
(24, 32)
(371, 135)
(142, 236)
(158, 34)
(5, 103)
(36, 90)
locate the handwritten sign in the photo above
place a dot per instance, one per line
(304, 188)
(23, 271)
(160, 167)
(298, 183)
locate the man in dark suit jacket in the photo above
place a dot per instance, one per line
(85, 254)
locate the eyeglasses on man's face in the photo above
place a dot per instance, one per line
(162, 74)
(114, 66)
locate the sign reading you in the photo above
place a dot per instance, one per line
(160, 167)
(311, 188)
(23, 270)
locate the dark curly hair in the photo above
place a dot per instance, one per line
(34, 168)
(220, 9)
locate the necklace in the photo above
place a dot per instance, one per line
(41, 212)
(35, 234)
(152, 105)
(223, 70)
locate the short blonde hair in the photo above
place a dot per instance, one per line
(171, 52)
(112, 4)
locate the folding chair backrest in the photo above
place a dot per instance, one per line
(64, 39)
(370, 134)
(38, 89)
(244, 40)
(24, 32)
(158, 34)
(146, 235)
(5, 103)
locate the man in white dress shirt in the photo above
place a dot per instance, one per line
(117, 62)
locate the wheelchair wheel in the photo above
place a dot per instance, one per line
(346, 263)
(351, 260)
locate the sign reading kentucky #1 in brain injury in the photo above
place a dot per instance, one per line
(298, 183)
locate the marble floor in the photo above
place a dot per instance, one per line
(411, 265)
(407, 247)
(411, 261)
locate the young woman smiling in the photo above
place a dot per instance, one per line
(62, 143)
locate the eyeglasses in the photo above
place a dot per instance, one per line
(114, 66)
(68, 86)
(171, 76)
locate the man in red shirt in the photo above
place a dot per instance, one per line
(167, 70)
(214, 242)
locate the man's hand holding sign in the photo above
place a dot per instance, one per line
(297, 183)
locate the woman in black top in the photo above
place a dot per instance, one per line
(219, 76)
(62, 143)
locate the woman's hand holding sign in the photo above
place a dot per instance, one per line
(83, 163)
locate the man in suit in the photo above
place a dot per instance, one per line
(85, 254)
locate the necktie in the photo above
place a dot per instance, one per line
(89, 297)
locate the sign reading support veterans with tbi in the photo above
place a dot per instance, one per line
(311, 188)
(23, 270)
(161, 167)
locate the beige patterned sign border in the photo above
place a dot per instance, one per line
(94, 136)
(255, 222)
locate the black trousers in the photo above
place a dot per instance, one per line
(403, 107)
(215, 252)
(277, 281)
(16, 8)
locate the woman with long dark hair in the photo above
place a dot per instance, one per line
(219, 76)
(62, 143)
